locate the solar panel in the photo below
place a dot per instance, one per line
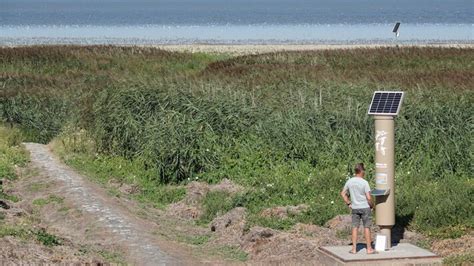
(386, 103)
(395, 28)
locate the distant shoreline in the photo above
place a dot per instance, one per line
(244, 49)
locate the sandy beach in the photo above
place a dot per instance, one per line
(244, 49)
(248, 49)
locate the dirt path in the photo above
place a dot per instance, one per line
(113, 223)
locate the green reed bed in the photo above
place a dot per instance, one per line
(288, 126)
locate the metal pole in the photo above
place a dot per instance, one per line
(384, 175)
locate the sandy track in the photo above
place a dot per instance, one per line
(123, 228)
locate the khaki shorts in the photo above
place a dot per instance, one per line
(362, 214)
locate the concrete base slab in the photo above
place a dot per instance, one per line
(400, 254)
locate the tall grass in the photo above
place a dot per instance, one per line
(288, 126)
(11, 153)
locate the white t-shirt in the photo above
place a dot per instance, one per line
(357, 188)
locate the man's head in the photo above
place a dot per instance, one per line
(359, 170)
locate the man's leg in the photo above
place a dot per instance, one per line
(354, 239)
(355, 227)
(367, 221)
(368, 240)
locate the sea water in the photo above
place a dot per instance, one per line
(234, 21)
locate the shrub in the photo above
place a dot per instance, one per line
(216, 203)
(46, 238)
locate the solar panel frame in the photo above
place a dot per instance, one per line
(392, 102)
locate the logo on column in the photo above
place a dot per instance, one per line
(380, 137)
(381, 179)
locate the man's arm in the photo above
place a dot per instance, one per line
(345, 197)
(369, 199)
(368, 196)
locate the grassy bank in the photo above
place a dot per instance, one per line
(13, 156)
(288, 126)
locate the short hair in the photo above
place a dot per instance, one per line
(359, 168)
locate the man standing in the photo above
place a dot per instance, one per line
(361, 204)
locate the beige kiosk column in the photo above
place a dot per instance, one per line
(385, 106)
(384, 175)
